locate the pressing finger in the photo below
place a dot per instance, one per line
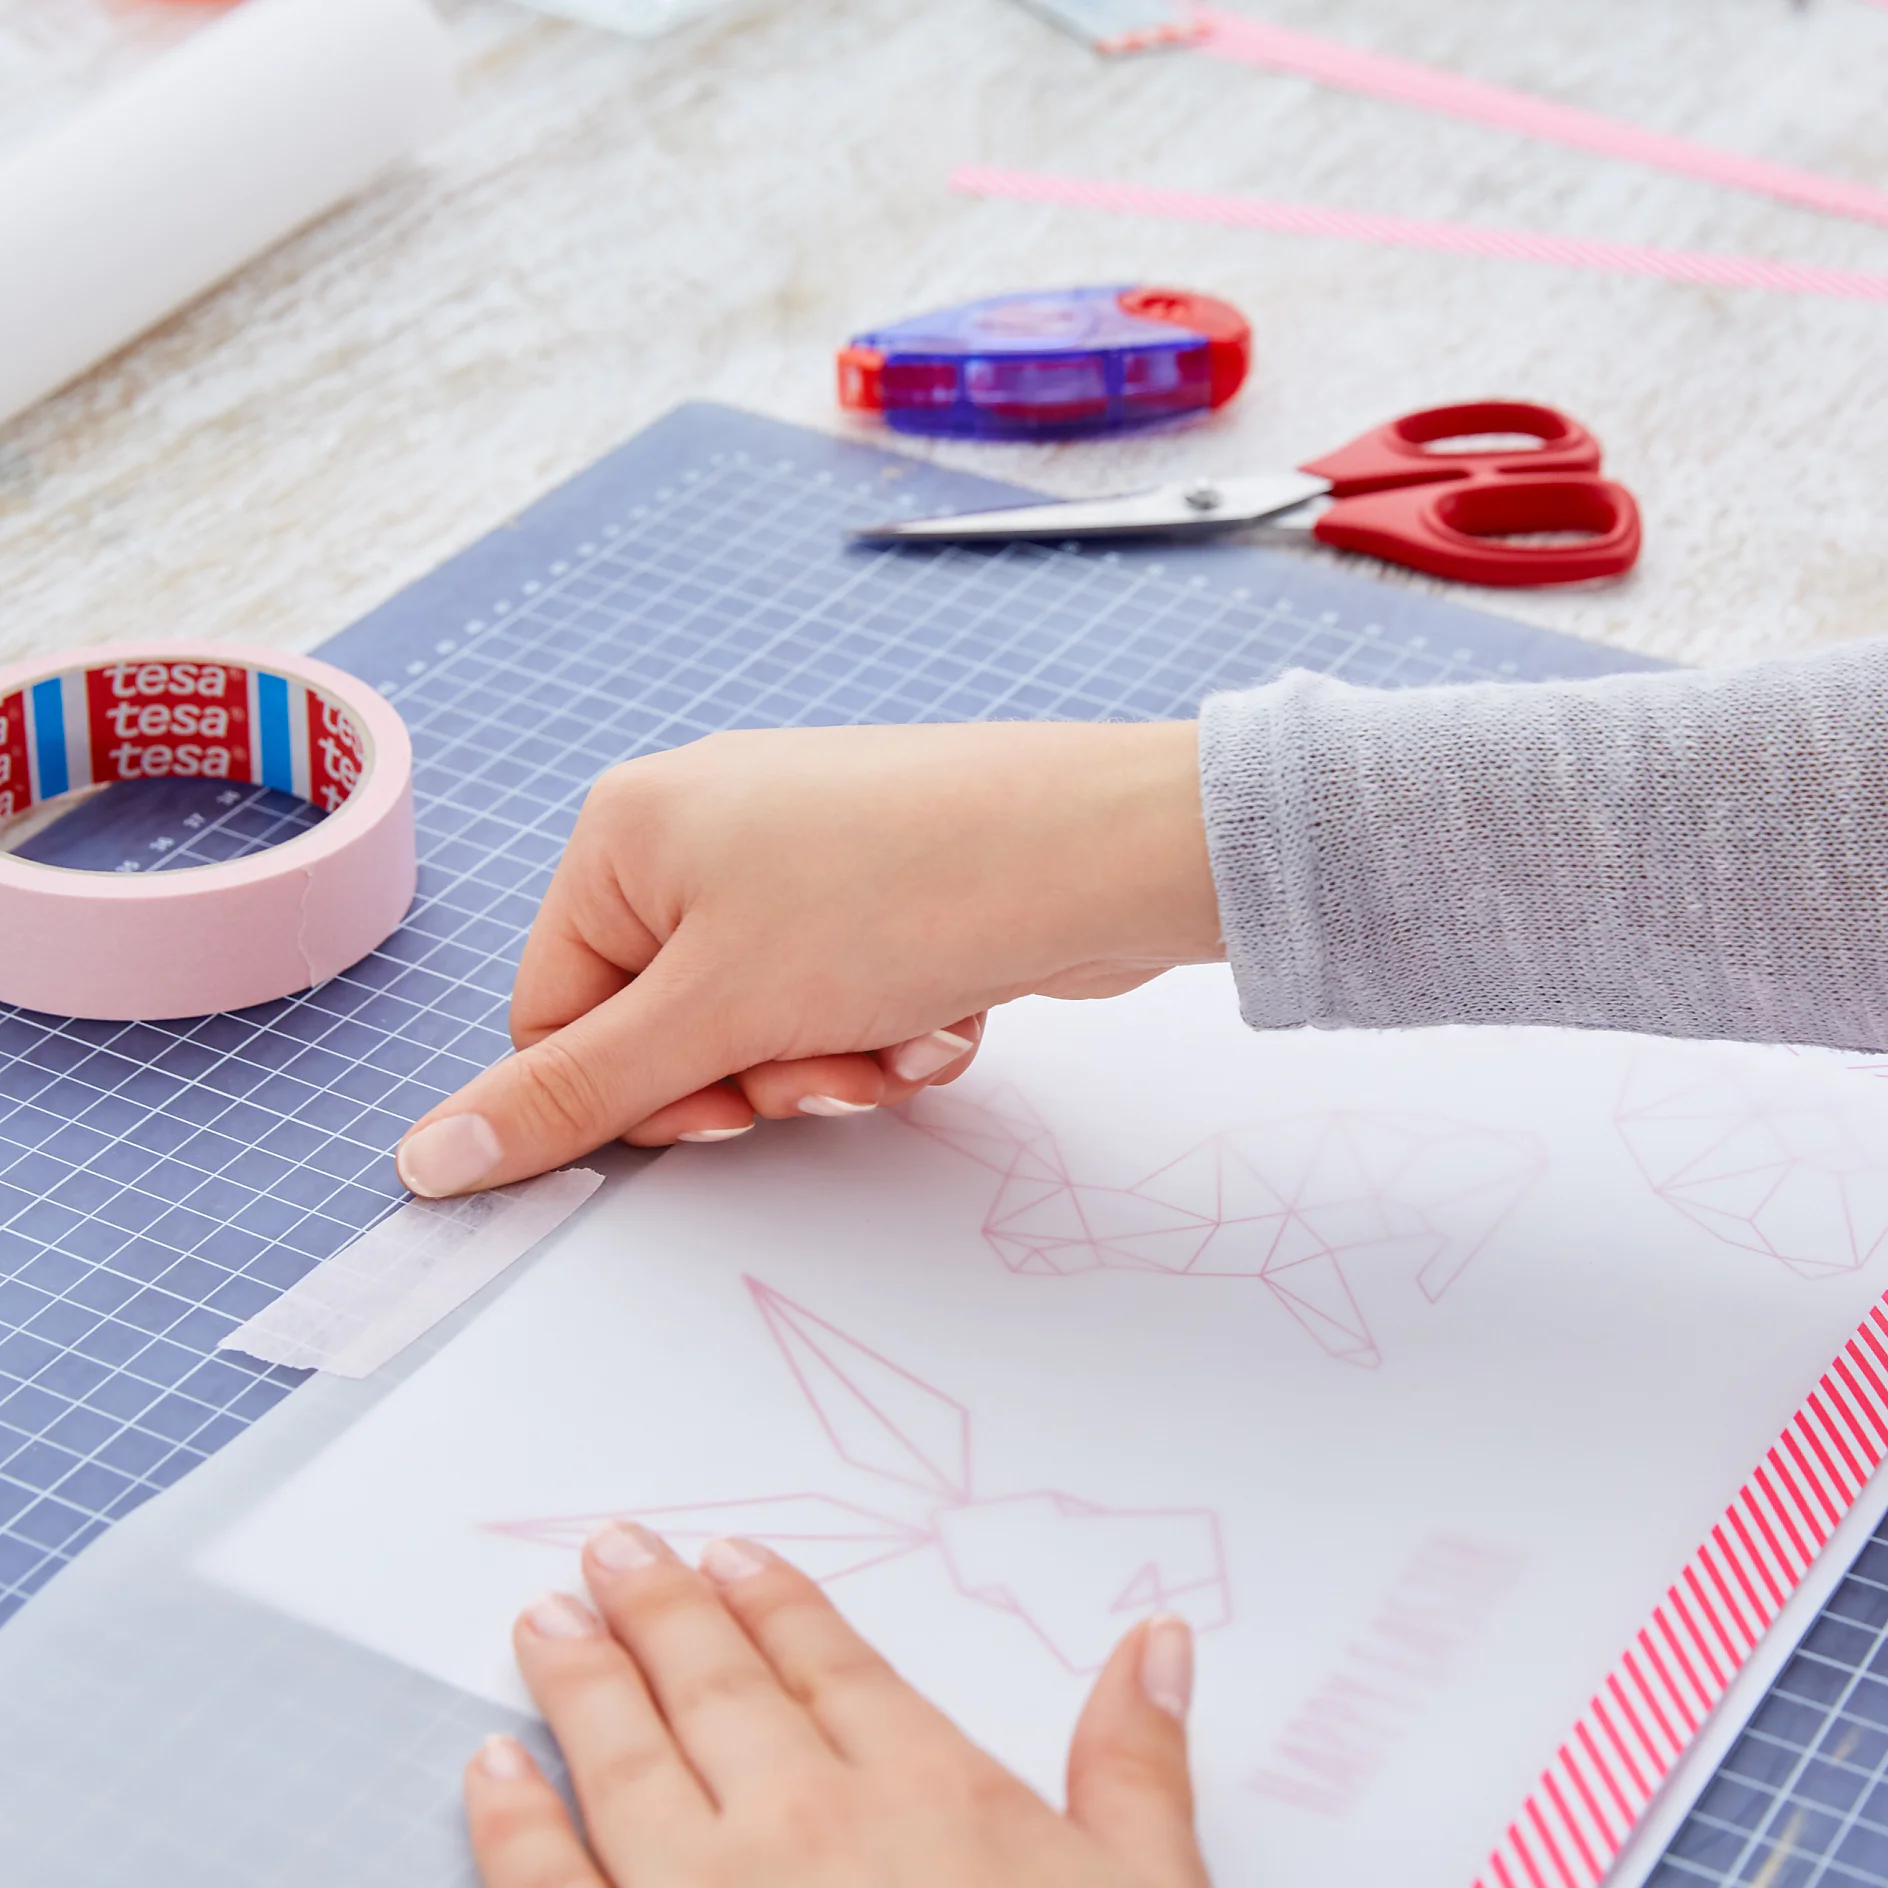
(1129, 1785)
(659, 1038)
(930, 1060)
(814, 1084)
(722, 1700)
(521, 1832)
(716, 1113)
(866, 1710)
(639, 1795)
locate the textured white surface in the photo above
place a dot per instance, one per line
(614, 226)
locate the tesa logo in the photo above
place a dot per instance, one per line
(153, 719)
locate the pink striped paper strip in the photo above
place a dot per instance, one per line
(1254, 42)
(1678, 1667)
(1404, 232)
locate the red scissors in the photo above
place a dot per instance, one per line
(1401, 493)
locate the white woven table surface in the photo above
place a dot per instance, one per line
(614, 226)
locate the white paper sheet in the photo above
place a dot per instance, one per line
(1410, 1367)
(157, 190)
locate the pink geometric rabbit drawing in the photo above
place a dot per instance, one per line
(1302, 1205)
(1075, 1572)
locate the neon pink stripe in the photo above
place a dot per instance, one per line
(1598, 1710)
(1735, 1613)
(1829, 1397)
(1599, 1763)
(1871, 1399)
(1803, 1554)
(1650, 1698)
(1757, 1560)
(1257, 43)
(1702, 1600)
(1519, 1849)
(1548, 1844)
(1680, 1703)
(1610, 1842)
(1675, 1603)
(1408, 232)
(1570, 1768)
(1741, 1558)
(1853, 1401)
(1813, 1424)
(1570, 1824)
(1793, 1438)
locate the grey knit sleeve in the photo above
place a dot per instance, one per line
(1688, 852)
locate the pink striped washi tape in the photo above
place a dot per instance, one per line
(1648, 1708)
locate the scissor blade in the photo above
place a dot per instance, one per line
(1181, 510)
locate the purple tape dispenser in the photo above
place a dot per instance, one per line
(1051, 365)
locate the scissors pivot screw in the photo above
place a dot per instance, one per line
(1204, 495)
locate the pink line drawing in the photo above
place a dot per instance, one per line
(1075, 1572)
(1783, 1169)
(1300, 1205)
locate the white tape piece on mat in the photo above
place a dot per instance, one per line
(400, 1277)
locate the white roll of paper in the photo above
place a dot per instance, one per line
(173, 180)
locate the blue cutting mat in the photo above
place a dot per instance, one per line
(160, 1183)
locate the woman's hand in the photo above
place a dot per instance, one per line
(727, 1729)
(814, 920)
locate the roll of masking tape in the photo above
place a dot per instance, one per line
(191, 940)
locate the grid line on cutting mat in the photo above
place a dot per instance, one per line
(160, 1183)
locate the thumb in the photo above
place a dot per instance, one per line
(1128, 1781)
(659, 1038)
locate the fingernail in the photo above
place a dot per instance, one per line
(724, 1562)
(831, 1104)
(921, 1058)
(561, 1616)
(503, 1759)
(1167, 1665)
(716, 1134)
(449, 1156)
(623, 1546)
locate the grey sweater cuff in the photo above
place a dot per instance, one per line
(1691, 852)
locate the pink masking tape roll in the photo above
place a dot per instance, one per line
(197, 939)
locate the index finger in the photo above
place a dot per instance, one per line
(585, 945)
(662, 1036)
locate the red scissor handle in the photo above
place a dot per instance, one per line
(1458, 530)
(1399, 453)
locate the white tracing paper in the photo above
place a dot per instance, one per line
(1410, 1367)
(171, 180)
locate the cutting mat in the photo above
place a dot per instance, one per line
(159, 1183)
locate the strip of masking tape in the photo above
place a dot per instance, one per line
(1406, 232)
(1330, 62)
(401, 1276)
